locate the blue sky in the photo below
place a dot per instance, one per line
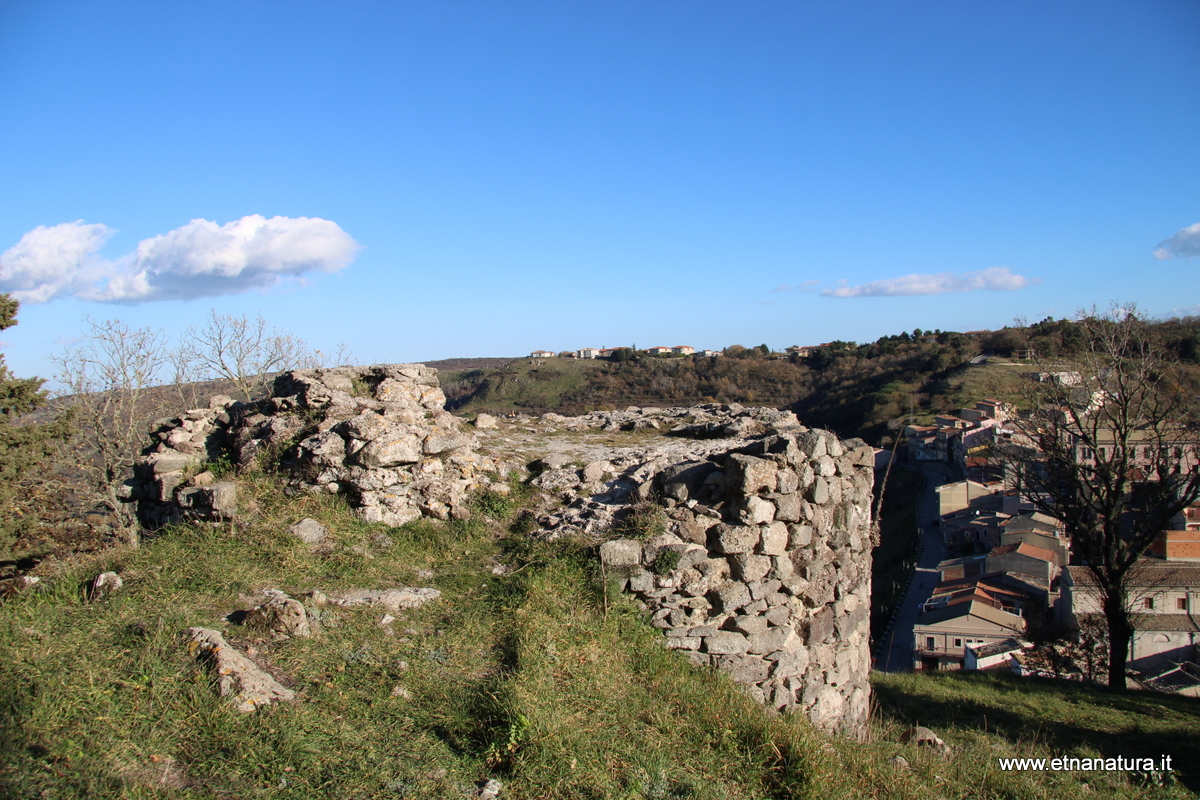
(426, 180)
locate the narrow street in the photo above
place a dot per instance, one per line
(898, 653)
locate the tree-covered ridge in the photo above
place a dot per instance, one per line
(868, 390)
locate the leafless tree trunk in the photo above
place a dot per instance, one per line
(1115, 432)
(108, 380)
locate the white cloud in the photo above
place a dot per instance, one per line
(200, 259)
(1184, 244)
(991, 279)
(54, 261)
(804, 286)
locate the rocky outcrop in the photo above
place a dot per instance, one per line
(377, 435)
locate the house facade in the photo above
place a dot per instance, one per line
(1164, 606)
(942, 635)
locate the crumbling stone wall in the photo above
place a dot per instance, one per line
(764, 570)
(762, 567)
(378, 435)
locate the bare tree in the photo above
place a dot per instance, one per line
(342, 356)
(244, 351)
(109, 380)
(1115, 430)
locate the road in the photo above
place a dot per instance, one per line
(898, 655)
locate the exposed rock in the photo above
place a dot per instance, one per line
(485, 421)
(391, 599)
(377, 434)
(250, 686)
(621, 553)
(279, 614)
(309, 531)
(102, 586)
(924, 737)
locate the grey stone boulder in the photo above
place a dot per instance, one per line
(621, 553)
(309, 531)
(924, 737)
(217, 501)
(249, 685)
(391, 599)
(751, 475)
(103, 585)
(279, 614)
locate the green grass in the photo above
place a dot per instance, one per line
(524, 386)
(543, 678)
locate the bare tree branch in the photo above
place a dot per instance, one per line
(245, 352)
(108, 378)
(1114, 445)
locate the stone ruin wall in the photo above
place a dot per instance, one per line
(772, 578)
(762, 569)
(378, 435)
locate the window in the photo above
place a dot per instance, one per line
(1181, 604)
(930, 643)
(1148, 603)
(958, 642)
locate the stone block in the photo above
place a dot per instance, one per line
(799, 536)
(781, 568)
(773, 640)
(789, 663)
(821, 626)
(778, 615)
(756, 511)
(621, 553)
(684, 643)
(751, 475)
(787, 507)
(730, 596)
(773, 539)
(731, 539)
(812, 444)
(748, 567)
(309, 531)
(641, 581)
(819, 491)
(749, 626)
(760, 589)
(744, 669)
(726, 643)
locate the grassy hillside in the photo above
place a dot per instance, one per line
(529, 670)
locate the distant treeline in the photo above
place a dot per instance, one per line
(867, 390)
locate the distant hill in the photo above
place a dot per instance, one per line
(468, 363)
